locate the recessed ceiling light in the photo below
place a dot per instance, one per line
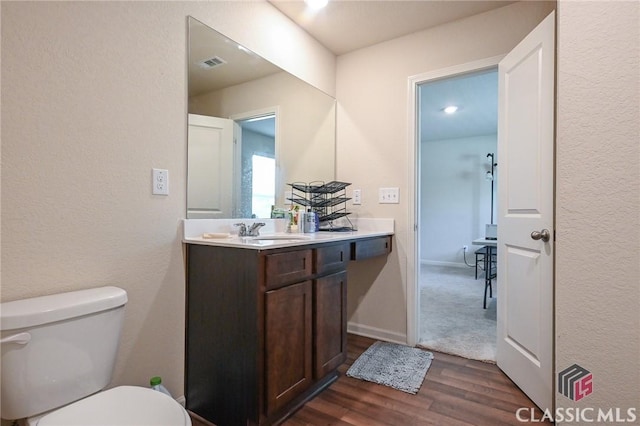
(450, 109)
(316, 4)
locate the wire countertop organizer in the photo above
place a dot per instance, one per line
(328, 200)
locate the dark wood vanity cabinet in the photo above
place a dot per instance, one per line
(288, 343)
(371, 247)
(265, 329)
(330, 323)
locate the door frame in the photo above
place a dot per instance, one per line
(413, 168)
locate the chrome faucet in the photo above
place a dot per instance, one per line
(252, 231)
(242, 232)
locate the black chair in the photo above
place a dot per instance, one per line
(481, 255)
(488, 256)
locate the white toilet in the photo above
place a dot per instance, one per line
(58, 353)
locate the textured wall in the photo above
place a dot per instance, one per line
(94, 96)
(598, 199)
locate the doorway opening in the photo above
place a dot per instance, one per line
(456, 120)
(256, 144)
(525, 209)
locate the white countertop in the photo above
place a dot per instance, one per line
(194, 229)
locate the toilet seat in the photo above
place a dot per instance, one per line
(120, 406)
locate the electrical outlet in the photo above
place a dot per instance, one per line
(160, 182)
(357, 196)
(465, 248)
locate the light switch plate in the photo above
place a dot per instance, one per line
(160, 182)
(389, 196)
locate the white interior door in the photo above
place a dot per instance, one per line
(210, 167)
(525, 193)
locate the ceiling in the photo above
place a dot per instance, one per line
(264, 125)
(237, 65)
(347, 25)
(475, 95)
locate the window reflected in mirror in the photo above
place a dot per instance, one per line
(263, 194)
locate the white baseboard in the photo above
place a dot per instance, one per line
(182, 400)
(376, 333)
(441, 263)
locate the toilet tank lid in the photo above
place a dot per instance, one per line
(57, 307)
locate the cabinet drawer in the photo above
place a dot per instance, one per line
(364, 249)
(288, 267)
(332, 258)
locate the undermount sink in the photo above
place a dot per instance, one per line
(281, 237)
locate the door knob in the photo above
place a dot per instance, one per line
(543, 235)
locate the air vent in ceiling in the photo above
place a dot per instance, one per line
(216, 61)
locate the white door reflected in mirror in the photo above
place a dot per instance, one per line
(210, 171)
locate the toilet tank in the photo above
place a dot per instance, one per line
(57, 349)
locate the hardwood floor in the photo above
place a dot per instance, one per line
(455, 391)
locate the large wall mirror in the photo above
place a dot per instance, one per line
(253, 129)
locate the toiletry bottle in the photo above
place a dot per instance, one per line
(316, 220)
(310, 221)
(301, 219)
(156, 384)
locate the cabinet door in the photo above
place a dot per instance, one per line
(288, 343)
(333, 258)
(330, 323)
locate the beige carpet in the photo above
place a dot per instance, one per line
(451, 316)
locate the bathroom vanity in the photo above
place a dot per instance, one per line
(266, 322)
